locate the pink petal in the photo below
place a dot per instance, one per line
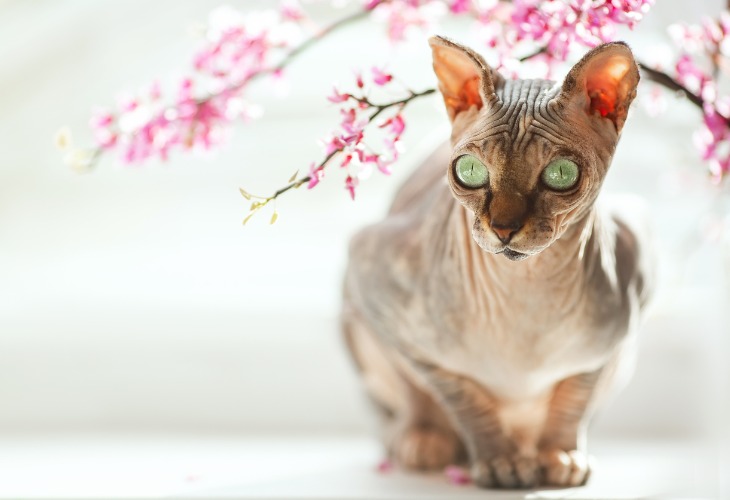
(336, 96)
(371, 4)
(385, 466)
(350, 185)
(457, 475)
(334, 144)
(315, 175)
(380, 77)
(459, 6)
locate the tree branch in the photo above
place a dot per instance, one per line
(670, 83)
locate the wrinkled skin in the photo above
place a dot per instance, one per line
(489, 323)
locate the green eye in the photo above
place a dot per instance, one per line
(471, 172)
(560, 174)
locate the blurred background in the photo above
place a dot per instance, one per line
(133, 302)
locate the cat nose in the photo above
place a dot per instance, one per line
(507, 212)
(505, 232)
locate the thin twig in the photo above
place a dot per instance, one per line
(533, 54)
(670, 83)
(414, 95)
(379, 108)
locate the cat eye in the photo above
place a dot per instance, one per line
(560, 174)
(471, 172)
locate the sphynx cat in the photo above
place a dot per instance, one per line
(496, 305)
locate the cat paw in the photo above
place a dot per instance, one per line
(506, 472)
(425, 448)
(564, 468)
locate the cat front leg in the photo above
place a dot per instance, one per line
(494, 456)
(562, 451)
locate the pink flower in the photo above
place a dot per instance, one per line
(385, 466)
(350, 185)
(315, 175)
(352, 125)
(336, 96)
(363, 157)
(557, 25)
(291, 10)
(334, 144)
(707, 41)
(457, 475)
(459, 6)
(101, 118)
(384, 164)
(356, 154)
(402, 16)
(185, 93)
(198, 113)
(690, 75)
(397, 125)
(715, 123)
(380, 77)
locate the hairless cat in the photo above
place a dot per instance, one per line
(497, 304)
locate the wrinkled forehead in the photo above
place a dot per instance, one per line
(523, 131)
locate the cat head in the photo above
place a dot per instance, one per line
(529, 156)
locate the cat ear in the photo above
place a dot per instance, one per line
(603, 83)
(465, 79)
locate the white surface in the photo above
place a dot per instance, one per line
(127, 466)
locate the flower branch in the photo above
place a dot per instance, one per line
(239, 50)
(670, 83)
(348, 143)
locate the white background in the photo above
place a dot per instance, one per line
(132, 299)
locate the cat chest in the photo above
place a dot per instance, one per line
(523, 352)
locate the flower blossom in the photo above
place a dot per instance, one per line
(337, 97)
(195, 113)
(385, 466)
(703, 44)
(348, 142)
(404, 16)
(315, 175)
(557, 25)
(380, 77)
(459, 6)
(457, 475)
(548, 28)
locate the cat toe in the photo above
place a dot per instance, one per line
(564, 468)
(506, 472)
